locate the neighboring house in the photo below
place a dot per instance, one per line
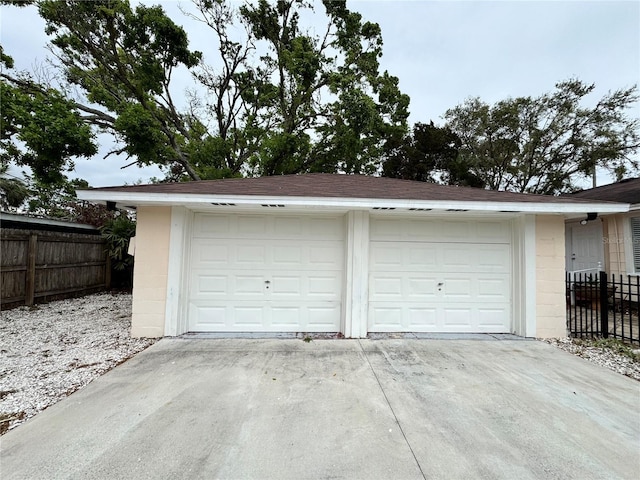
(346, 253)
(609, 242)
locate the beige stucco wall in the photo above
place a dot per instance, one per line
(550, 277)
(150, 271)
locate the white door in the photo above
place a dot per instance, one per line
(585, 247)
(266, 273)
(440, 276)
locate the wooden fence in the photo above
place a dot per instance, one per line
(38, 265)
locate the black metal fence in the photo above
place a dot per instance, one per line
(603, 305)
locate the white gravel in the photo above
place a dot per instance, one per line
(49, 351)
(603, 356)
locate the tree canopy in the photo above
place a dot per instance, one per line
(279, 99)
(545, 144)
(41, 129)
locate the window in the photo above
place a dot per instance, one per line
(635, 242)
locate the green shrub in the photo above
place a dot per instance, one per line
(117, 232)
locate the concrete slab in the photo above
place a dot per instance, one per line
(509, 409)
(392, 408)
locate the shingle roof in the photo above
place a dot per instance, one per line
(627, 191)
(325, 185)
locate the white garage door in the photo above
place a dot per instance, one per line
(440, 276)
(266, 273)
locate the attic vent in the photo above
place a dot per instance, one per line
(275, 205)
(457, 210)
(420, 209)
(221, 204)
(384, 208)
(509, 211)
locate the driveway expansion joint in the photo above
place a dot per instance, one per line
(386, 398)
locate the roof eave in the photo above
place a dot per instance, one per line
(167, 199)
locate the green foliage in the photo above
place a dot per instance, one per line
(13, 192)
(41, 129)
(90, 213)
(117, 232)
(430, 154)
(544, 144)
(307, 102)
(296, 130)
(123, 59)
(53, 200)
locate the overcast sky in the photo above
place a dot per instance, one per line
(442, 51)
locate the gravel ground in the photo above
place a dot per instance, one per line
(49, 351)
(602, 354)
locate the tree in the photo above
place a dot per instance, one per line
(306, 103)
(544, 144)
(300, 130)
(40, 129)
(123, 60)
(13, 191)
(429, 154)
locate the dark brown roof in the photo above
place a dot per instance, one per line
(626, 191)
(327, 185)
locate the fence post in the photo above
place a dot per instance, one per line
(604, 306)
(30, 290)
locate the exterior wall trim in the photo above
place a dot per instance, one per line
(356, 289)
(178, 250)
(137, 198)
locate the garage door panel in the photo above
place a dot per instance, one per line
(247, 285)
(206, 317)
(213, 284)
(252, 226)
(322, 318)
(328, 255)
(385, 286)
(248, 256)
(458, 289)
(424, 288)
(209, 253)
(289, 227)
(212, 226)
(288, 317)
(385, 318)
(474, 231)
(457, 317)
(283, 286)
(266, 273)
(493, 288)
(287, 255)
(439, 276)
(325, 286)
(385, 255)
(495, 258)
(422, 317)
(492, 318)
(421, 257)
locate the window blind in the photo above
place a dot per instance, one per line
(635, 240)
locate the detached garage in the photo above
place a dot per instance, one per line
(346, 253)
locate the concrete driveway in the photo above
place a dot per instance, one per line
(368, 409)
